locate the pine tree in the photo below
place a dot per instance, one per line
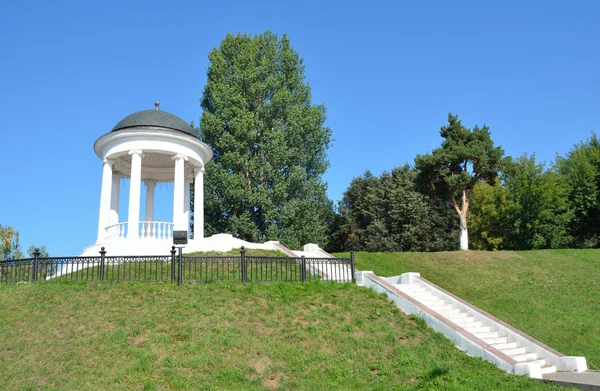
(466, 157)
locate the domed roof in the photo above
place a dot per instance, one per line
(157, 118)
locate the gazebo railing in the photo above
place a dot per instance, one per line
(146, 230)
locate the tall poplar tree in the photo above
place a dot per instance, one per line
(465, 158)
(269, 143)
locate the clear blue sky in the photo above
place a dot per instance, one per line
(388, 73)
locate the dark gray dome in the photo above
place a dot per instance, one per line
(156, 118)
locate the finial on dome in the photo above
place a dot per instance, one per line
(156, 104)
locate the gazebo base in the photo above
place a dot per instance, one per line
(129, 247)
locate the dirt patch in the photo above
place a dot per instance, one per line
(260, 364)
(272, 382)
(263, 302)
(141, 337)
(359, 334)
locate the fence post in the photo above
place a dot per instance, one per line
(352, 266)
(180, 268)
(36, 255)
(243, 264)
(102, 262)
(173, 264)
(303, 269)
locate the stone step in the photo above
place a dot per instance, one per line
(463, 320)
(494, 340)
(504, 345)
(410, 288)
(524, 357)
(474, 330)
(513, 351)
(451, 313)
(548, 369)
(472, 325)
(431, 300)
(440, 308)
(540, 361)
(424, 297)
(492, 334)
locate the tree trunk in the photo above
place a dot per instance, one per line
(464, 233)
(462, 215)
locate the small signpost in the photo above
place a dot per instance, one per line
(180, 239)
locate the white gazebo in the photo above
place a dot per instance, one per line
(152, 146)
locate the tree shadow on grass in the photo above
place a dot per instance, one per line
(432, 375)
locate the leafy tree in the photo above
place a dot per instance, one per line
(466, 157)
(9, 243)
(581, 167)
(388, 213)
(488, 216)
(42, 248)
(269, 143)
(539, 212)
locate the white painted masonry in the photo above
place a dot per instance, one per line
(178, 193)
(114, 199)
(186, 204)
(135, 187)
(103, 217)
(471, 329)
(150, 186)
(199, 203)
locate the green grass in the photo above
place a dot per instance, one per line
(552, 295)
(194, 271)
(68, 336)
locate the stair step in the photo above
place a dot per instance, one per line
(504, 345)
(524, 357)
(438, 308)
(491, 334)
(410, 288)
(462, 320)
(449, 312)
(474, 330)
(540, 361)
(513, 351)
(471, 325)
(494, 340)
(549, 369)
(431, 301)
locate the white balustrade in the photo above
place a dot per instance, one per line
(146, 230)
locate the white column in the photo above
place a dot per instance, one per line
(178, 193)
(104, 215)
(186, 204)
(114, 199)
(199, 203)
(150, 185)
(133, 220)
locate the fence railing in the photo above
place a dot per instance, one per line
(188, 269)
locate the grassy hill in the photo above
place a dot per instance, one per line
(66, 336)
(552, 295)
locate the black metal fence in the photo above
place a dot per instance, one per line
(188, 269)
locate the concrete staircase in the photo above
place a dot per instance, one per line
(470, 328)
(480, 329)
